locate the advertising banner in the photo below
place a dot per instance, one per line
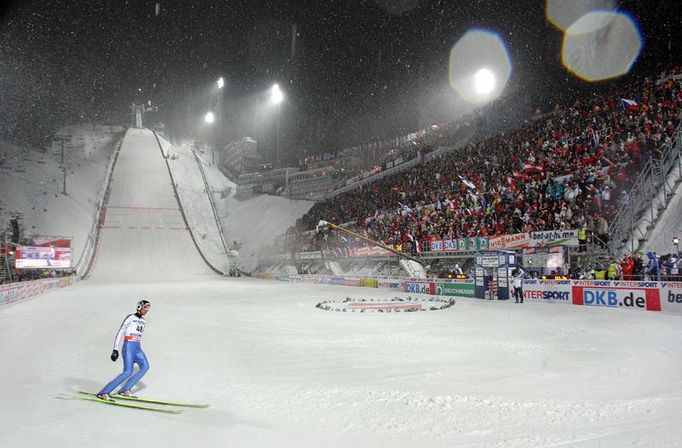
(554, 291)
(416, 287)
(614, 294)
(459, 289)
(16, 292)
(337, 281)
(436, 246)
(554, 238)
(534, 239)
(671, 297)
(393, 284)
(311, 255)
(513, 241)
(44, 254)
(352, 282)
(369, 283)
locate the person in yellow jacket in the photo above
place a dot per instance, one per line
(613, 270)
(582, 238)
(599, 271)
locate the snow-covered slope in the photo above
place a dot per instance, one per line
(256, 222)
(668, 226)
(144, 236)
(31, 183)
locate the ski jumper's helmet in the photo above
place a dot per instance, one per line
(142, 304)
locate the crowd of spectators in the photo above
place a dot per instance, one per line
(568, 170)
(632, 267)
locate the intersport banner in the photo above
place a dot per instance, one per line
(553, 291)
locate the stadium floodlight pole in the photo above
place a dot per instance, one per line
(676, 243)
(277, 96)
(62, 139)
(323, 224)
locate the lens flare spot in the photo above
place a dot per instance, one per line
(484, 81)
(480, 66)
(564, 13)
(601, 45)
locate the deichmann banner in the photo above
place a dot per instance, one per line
(459, 289)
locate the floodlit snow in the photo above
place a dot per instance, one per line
(280, 373)
(32, 182)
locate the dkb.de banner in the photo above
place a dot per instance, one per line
(617, 294)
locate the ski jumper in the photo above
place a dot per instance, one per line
(130, 336)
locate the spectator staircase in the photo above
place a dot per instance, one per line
(649, 195)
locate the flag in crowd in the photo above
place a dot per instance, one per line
(467, 182)
(629, 104)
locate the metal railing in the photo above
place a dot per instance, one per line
(643, 195)
(90, 248)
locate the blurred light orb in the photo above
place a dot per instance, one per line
(601, 45)
(209, 118)
(484, 81)
(480, 66)
(564, 13)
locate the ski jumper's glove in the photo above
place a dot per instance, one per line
(114, 355)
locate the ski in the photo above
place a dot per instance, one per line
(149, 400)
(92, 397)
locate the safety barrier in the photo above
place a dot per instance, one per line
(164, 153)
(19, 291)
(90, 249)
(663, 296)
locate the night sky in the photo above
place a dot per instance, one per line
(350, 70)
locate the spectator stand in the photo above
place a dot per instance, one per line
(569, 168)
(648, 195)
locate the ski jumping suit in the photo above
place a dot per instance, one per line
(130, 334)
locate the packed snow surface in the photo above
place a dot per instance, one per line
(279, 372)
